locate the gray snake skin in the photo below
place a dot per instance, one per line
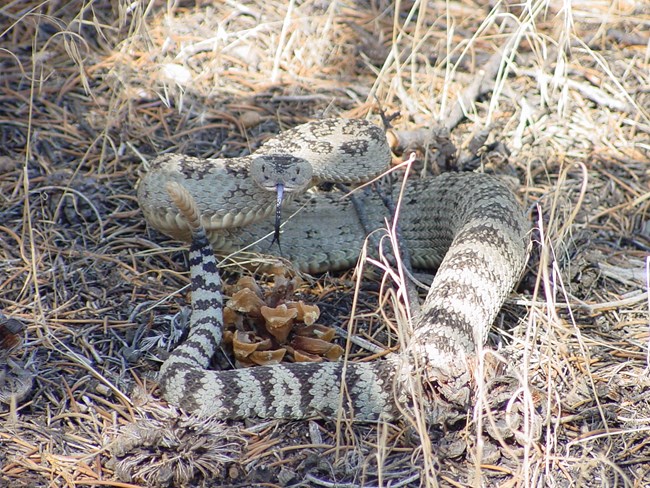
(468, 225)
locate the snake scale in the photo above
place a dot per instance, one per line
(467, 225)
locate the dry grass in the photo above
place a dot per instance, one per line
(88, 89)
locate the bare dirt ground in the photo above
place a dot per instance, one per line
(91, 89)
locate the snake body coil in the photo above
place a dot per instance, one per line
(468, 225)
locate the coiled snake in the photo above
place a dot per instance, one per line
(468, 225)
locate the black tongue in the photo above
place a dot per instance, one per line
(278, 215)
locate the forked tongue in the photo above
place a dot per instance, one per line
(278, 215)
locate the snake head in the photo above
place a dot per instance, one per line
(270, 170)
(281, 173)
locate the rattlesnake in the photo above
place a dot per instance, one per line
(469, 225)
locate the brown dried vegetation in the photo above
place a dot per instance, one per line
(89, 90)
